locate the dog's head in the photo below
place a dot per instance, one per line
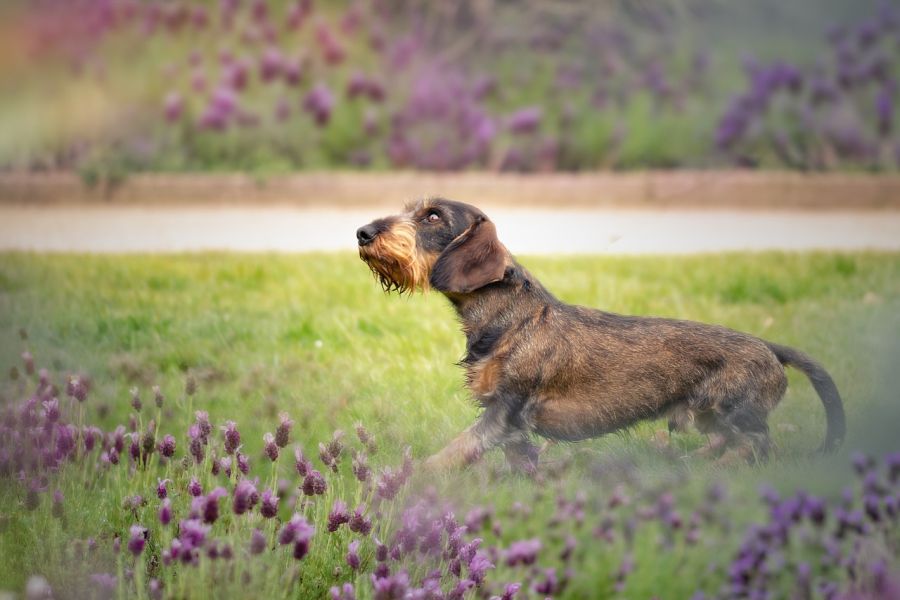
(446, 245)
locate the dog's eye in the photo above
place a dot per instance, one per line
(433, 217)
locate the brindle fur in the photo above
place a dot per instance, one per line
(539, 366)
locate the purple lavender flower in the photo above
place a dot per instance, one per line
(204, 427)
(223, 465)
(892, 461)
(345, 592)
(167, 446)
(301, 463)
(245, 497)
(478, 567)
(51, 410)
(523, 552)
(270, 447)
(332, 50)
(195, 446)
(232, 437)
(271, 64)
(258, 542)
(161, 490)
(362, 433)
(358, 522)
(243, 463)
(283, 432)
(90, 435)
(158, 397)
(392, 587)
(510, 591)
(884, 111)
(269, 506)
(173, 107)
(298, 532)
(360, 466)
(77, 388)
(525, 120)
(165, 511)
(338, 515)
(381, 551)
(137, 539)
(28, 361)
(136, 403)
(314, 484)
(118, 438)
(105, 581)
(388, 485)
(209, 504)
(550, 583)
(319, 103)
(353, 555)
(326, 458)
(194, 488)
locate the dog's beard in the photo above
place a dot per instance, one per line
(395, 260)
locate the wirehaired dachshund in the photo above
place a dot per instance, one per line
(539, 366)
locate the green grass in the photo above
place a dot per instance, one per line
(313, 335)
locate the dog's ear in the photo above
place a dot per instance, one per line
(473, 260)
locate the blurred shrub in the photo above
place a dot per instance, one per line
(112, 86)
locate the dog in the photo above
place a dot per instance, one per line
(539, 366)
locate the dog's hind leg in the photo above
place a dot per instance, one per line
(743, 432)
(522, 456)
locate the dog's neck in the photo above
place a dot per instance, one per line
(489, 311)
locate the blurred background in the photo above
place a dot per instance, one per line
(111, 87)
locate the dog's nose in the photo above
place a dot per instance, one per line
(365, 234)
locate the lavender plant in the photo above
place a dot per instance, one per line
(162, 534)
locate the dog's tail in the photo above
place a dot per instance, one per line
(824, 386)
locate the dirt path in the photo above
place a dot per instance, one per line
(525, 231)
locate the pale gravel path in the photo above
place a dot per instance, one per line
(527, 231)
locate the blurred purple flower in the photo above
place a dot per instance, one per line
(173, 107)
(331, 48)
(392, 587)
(523, 552)
(884, 111)
(165, 511)
(353, 555)
(345, 592)
(137, 539)
(271, 64)
(269, 506)
(510, 591)
(258, 542)
(319, 103)
(245, 497)
(525, 120)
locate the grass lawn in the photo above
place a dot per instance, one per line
(314, 336)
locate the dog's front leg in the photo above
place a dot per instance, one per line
(465, 449)
(492, 429)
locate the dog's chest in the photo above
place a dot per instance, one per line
(484, 362)
(483, 376)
